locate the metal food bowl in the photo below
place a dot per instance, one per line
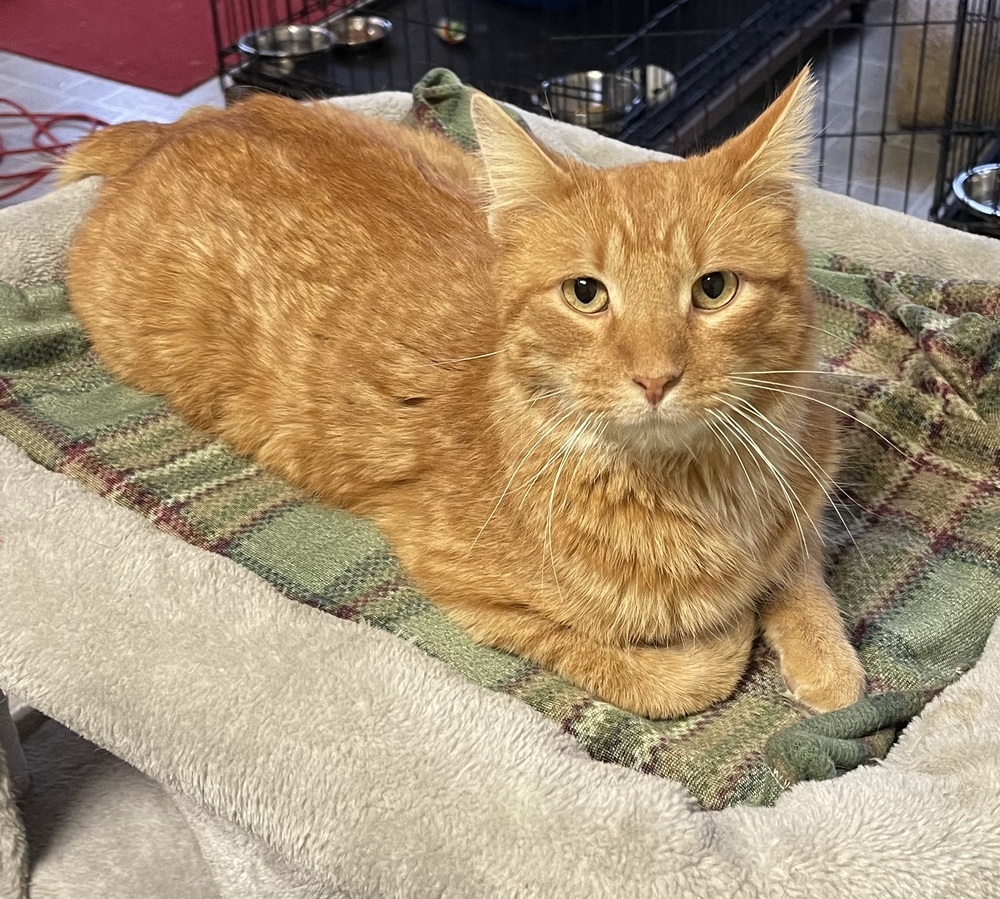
(978, 190)
(598, 100)
(286, 42)
(358, 32)
(661, 85)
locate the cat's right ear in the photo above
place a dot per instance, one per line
(775, 147)
(519, 174)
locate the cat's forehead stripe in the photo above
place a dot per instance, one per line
(622, 237)
(681, 246)
(629, 224)
(628, 240)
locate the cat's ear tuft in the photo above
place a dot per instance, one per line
(519, 174)
(777, 143)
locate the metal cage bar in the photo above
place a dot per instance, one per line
(910, 95)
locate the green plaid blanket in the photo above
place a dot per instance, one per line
(918, 574)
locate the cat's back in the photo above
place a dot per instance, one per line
(276, 257)
(362, 163)
(269, 165)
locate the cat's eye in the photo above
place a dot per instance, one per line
(714, 290)
(586, 295)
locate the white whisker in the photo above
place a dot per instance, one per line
(754, 455)
(839, 337)
(597, 436)
(538, 475)
(464, 359)
(762, 381)
(571, 442)
(520, 465)
(717, 429)
(800, 371)
(783, 484)
(805, 396)
(778, 430)
(808, 461)
(539, 397)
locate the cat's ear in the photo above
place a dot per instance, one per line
(775, 147)
(519, 174)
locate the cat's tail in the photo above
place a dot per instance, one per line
(110, 151)
(113, 150)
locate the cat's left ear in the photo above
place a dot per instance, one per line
(775, 147)
(519, 173)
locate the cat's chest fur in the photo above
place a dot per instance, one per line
(629, 560)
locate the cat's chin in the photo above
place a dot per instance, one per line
(658, 432)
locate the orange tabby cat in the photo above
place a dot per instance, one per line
(539, 378)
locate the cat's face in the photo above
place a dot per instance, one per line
(636, 298)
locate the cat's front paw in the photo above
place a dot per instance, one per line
(830, 680)
(670, 681)
(802, 623)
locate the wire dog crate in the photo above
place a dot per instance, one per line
(909, 89)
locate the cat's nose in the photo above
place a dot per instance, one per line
(655, 387)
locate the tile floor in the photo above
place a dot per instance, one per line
(904, 164)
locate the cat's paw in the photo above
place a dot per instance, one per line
(681, 679)
(667, 683)
(831, 680)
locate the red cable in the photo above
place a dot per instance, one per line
(43, 141)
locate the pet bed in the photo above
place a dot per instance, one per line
(345, 759)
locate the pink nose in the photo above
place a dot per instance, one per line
(656, 386)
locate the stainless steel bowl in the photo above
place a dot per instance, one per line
(286, 42)
(661, 85)
(978, 190)
(598, 100)
(357, 32)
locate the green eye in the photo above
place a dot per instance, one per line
(587, 295)
(714, 290)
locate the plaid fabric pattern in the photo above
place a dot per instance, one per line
(913, 553)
